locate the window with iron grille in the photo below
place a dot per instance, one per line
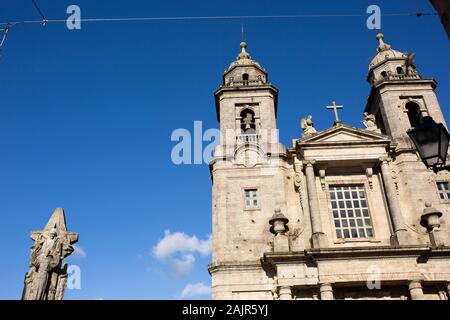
(350, 212)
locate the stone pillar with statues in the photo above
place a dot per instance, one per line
(47, 277)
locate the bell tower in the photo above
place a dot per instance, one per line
(400, 96)
(249, 174)
(246, 106)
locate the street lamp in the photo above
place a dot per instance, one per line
(431, 140)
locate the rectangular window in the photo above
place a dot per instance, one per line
(251, 199)
(443, 189)
(350, 212)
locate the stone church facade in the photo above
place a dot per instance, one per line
(343, 213)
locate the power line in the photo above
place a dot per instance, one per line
(44, 20)
(231, 17)
(5, 34)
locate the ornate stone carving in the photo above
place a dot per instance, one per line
(47, 277)
(369, 174)
(395, 179)
(322, 178)
(298, 181)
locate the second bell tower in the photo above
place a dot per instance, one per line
(400, 95)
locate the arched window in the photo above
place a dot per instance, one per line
(414, 113)
(384, 74)
(248, 125)
(399, 70)
(245, 78)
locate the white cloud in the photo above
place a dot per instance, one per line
(195, 289)
(182, 267)
(79, 251)
(179, 242)
(180, 248)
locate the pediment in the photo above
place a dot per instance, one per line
(344, 134)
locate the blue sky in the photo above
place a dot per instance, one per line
(86, 118)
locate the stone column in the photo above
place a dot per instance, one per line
(318, 237)
(326, 292)
(398, 224)
(415, 290)
(448, 290)
(285, 293)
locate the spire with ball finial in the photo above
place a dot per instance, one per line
(382, 46)
(244, 54)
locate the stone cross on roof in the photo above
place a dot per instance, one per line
(335, 108)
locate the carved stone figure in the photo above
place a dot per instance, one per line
(248, 121)
(307, 125)
(370, 122)
(47, 276)
(410, 66)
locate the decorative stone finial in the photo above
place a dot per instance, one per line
(244, 54)
(430, 217)
(382, 46)
(278, 223)
(430, 220)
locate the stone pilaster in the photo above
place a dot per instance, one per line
(319, 238)
(326, 292)
(400, 232)
(415, 290)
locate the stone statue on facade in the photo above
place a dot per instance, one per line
(307, 125)
(47, 277)
(370, 122)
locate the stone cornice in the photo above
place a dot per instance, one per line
(214, 267)
(368, 137)
(333, 144)
(382, 83)
(313, 255)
